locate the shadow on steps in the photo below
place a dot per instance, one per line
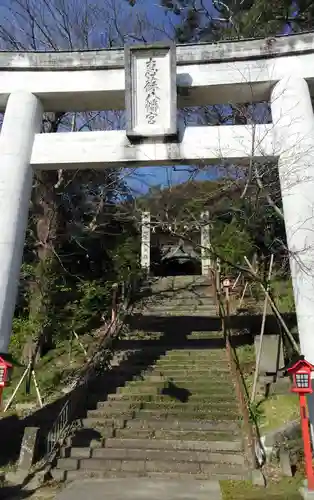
(173, 391)
(140, 357)
(251, 324)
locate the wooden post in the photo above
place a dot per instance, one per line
(114, 303)
(275, 309)
(306, 442)
(258, 359)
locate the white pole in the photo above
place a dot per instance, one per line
(7, 406)
(258, 359)
(22, 120)
(37, 389)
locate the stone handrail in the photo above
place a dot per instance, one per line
(255, 453)
(66, 419)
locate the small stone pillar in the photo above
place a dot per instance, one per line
(272, 357)
(205, 243)
(28, 449)
(145, 246)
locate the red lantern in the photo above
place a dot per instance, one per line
(301, 374)
(5, 372)
(302, 385)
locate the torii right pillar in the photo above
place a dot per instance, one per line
(293, 120)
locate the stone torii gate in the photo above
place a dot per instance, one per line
(151, 82)
(203, 226)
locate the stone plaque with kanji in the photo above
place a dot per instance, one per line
(150, 91)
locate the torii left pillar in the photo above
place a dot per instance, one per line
(22, 120)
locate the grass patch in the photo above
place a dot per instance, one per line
(276, 410)
(282, 292)
(53, 372)
(275, 490)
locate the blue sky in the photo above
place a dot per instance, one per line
(140, 180)
(157, 25)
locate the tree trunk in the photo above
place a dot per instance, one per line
(47, 222)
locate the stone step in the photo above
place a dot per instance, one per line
(181, 302)
(211, 376)
(192, 364)
(206, 392)
(177, 434)
(189, 406)
(180, 376)
(182, 288)
(159, 350)
(216, 356)
(185, 302)
(176, 455)
(196, 354)
(179, 280)
(162, 371)
(197, 386)
(174, 444)
(142, 466)
(133, 396)
(160, 399)
(183, 364)
(211, 335)
(169, 342)
(210, 407)
(182, 292)
(154, 444)
(188, 289)
(154, 435)
(159, 337)
(156, 383)
(178, 299)
(171, 424)
(212, 370)
(181, 413)
(151, 382)
(192, 391)
(227, 473)
(175, 282)
(164, 413)
(177, 312)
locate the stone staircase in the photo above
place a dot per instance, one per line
(163, 409)
(179, 296)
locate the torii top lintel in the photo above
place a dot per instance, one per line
(223, 51)
(219, 73)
